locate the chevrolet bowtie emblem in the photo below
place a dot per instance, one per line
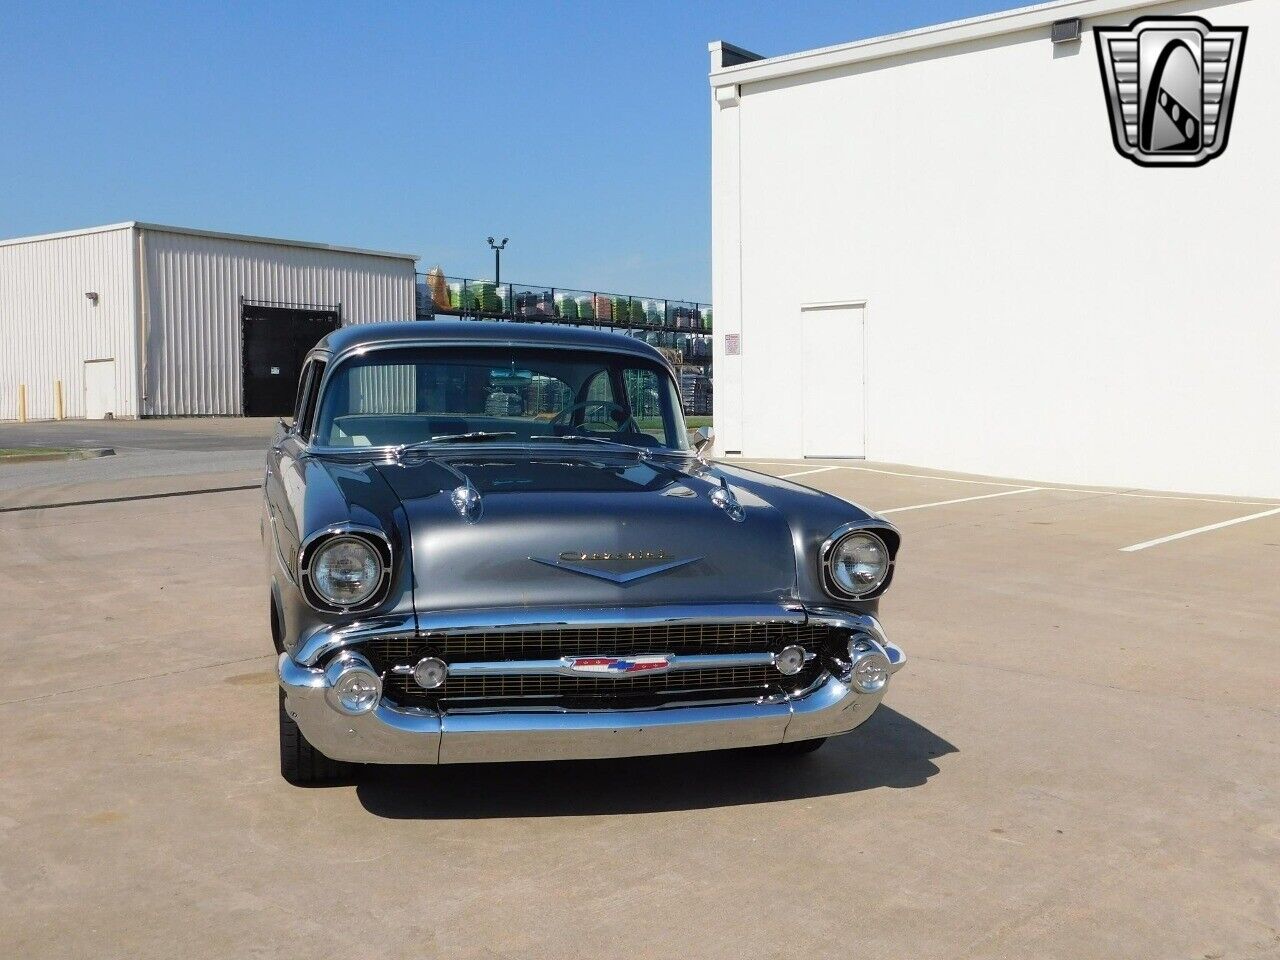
(625, 566)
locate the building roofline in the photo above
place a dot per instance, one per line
(84, 231)
(924, 38)
(193, 232)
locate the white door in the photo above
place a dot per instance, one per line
(832, 380)
(99, 389)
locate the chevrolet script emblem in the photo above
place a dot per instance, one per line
(617, 567)
(1170, 84)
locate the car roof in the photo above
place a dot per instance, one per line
(485, 332)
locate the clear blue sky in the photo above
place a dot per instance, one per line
(580, 130)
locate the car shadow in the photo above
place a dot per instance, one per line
(889, 750)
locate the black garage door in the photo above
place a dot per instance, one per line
(276, 340)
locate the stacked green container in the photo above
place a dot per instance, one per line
(620, 309)
(586, 308)
(566, 307)
(486, 297)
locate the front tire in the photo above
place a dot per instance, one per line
(301, 763)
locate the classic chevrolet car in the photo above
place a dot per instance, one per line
(494, 541)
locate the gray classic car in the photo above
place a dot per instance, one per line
(493, 542)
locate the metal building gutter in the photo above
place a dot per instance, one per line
(272, 241)
(1041, 15)
(192, 232)
(82, 232)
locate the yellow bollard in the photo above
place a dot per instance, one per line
(22, 403)
(57, 399)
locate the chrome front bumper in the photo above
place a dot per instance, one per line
(394, 734)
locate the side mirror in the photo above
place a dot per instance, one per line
(702, 438)
(284, 424)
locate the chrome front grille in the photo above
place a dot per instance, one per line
(605, 641)
(401, 688)
(677, 639)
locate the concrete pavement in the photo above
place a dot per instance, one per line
(1082, 759)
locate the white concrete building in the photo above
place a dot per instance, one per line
(140, 319)
(927, 249)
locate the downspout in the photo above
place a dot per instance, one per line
(143, 317)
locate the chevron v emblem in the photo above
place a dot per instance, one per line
(621, 567)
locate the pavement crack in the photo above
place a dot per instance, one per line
(128, 680)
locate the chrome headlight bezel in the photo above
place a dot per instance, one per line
(375, 539)
(887, 537)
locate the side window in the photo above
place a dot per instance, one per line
(299, 403)
(600, 388)
(644, 393)
(308, 390)
(598, 415)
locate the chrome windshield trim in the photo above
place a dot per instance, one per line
(528, 343)
(334, 361)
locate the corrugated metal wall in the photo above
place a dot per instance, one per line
(49, 328)
(194, 286)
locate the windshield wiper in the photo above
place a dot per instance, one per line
(455, 438)
(644, 452)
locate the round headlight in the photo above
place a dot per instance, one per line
(346, 571)
(859, 564)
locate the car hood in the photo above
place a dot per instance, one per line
(560, 530)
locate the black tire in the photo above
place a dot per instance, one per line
(796, 748)
(301, 763)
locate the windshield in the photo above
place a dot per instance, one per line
(515, 394)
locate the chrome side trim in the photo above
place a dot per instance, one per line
(275, 538)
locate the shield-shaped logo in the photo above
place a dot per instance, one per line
(1170, 84)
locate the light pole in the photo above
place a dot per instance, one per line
(497, 259)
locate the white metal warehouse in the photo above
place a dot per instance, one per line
(937, 248)
(137, 319)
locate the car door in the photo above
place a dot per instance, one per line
(284, 480)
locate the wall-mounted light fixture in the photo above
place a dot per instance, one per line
(92, 297)
(1065, 31)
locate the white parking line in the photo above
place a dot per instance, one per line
(788, 476)
(1004, 483)
(1206, 529)
(943, 503)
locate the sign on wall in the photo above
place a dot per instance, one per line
(1170, 84)
(732, 344)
